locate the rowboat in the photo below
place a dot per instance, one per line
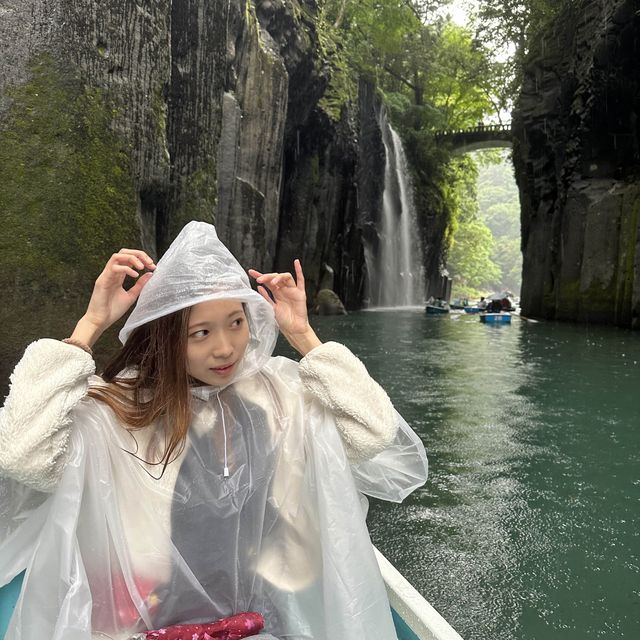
(414, 618)
(496, 318)
(435, 310)
(8, 598)
(459, 304)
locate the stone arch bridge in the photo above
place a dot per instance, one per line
(482, 136)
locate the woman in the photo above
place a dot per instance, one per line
(199, 476)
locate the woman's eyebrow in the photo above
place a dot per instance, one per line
(207, 322)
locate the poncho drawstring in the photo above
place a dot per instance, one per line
(225, 473)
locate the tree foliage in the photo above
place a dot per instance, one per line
(471, 242)
(509, 28)
(470, 258)
(499, 209)
(461, 77)
(515, 23)
(433, 74)
(407, 48)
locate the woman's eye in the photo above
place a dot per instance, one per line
(199, 334)
(237, 322)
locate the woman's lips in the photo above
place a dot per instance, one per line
(223, 371)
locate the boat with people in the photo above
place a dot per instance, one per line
(414, 618)
(503, 301)
(458, 304)
(437, 307)
(500, 317)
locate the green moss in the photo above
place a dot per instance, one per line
(315, 169)
(251, 20)
(343, 84)
(596, 303)
(66, 200)
(66, 197)
(159, 110)
(199, 199)
(568, 298)
(628, 236)
(610, 302)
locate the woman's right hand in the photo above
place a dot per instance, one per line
(109, 300)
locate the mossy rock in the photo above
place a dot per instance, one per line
(67, 202)
(327, 303)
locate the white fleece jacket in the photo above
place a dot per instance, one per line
(52, 377)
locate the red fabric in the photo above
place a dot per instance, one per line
(126, 612)
(232, 628)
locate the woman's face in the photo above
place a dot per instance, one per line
(217, 339)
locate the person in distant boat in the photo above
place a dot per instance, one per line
(198, 478)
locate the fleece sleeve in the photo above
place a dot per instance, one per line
(50, 379)
(363, 412)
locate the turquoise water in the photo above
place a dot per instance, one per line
(528, 526)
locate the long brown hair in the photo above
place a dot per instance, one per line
(148, 381)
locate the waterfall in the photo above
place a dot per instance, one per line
(396, 271)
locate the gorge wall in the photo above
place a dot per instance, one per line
(577, 159)
(120, 121)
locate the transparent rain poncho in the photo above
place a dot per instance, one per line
(114, 550)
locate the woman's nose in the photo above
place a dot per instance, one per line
(222, 347)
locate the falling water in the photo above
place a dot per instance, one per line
(396, 272)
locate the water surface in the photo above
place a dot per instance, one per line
(528, 526)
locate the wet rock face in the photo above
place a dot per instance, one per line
(328, 194)
(327, 303)
(110, 115)
(250, 150)
(318, 219)
(577, 161)
(142, 116)
(120, 121)
(319, 214)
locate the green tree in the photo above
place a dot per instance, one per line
(509, 27)
(515, 23)
(444, 74)
(471, 242)
(499, 209)
(470, 263)
(461, 76)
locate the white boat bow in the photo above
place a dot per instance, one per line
(421, 620)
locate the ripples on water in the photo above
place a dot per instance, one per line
(528, 526)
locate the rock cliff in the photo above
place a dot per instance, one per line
(110, 115)
(120, 121)
(577, 159)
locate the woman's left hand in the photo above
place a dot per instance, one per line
(288, 300)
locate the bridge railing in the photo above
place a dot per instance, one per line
(480, 128)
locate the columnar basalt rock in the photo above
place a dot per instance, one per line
(250, 152)
(198, 51)
(120, 121)
(110, 117)
(318, 217)
(577, 159)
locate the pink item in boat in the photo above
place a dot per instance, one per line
(235, 627)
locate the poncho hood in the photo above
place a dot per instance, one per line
(196, 268)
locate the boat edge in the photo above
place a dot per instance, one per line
(414, 610)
